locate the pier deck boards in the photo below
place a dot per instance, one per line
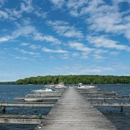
(20, 119)
(27, 104)
(44, 98)
(73, 112)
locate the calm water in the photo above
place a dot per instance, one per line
(8, 92)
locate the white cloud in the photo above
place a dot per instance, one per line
(21, 31)
(92, 7)
(30, 31)
(98, 57)
(75, 54)
(13, 14)
(3, 15)
(99, 70)
(2, 2)
(24, 44)
(48, 38)
(114, 53)
(58, 3)
(127, 32)
(44, 49)
(64, 29)
(24, 31)
(80, 47)
(41, 14)
(28, 52)
(65, 56)
(27, 6)
(21, 58)
(4, 39)
(34, 47)
(76, 3)
(102, 41)
(101, 16)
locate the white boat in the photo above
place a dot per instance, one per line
(49, 86)
(80, 85)
(33, 99)
(60, 85)
(44, 90)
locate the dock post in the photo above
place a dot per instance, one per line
(40, 119)
(3, 109)
(121, 109)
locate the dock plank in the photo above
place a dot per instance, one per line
(28, 104)
(19, 119)
(73, 112)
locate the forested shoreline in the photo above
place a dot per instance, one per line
(75, 79)
(8, 83)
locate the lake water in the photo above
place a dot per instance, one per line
(8, 92)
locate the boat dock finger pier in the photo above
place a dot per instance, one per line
(73, 112)
(20, 119)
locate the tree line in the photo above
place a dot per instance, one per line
(7, 83)
(75, 79)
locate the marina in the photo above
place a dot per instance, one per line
(66, 105)
(73, 112)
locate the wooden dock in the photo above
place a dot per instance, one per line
(44, 98)
(28, 104)
(115, 104)
(44, 95)
(20, 119)
(74, 112)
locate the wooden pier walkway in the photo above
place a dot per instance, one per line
(74, 112)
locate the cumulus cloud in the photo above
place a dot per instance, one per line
(24, 7)
(2, 2)
(29, 30)
(27, 52)
(21, 58)
(40, 14)
(57, 3)
(64, 29)
(34, 46)
(3, 15)
(24, 44)
(102, 41)
(75, 5)
(21, 31)
(44, 49)
(6, 38)
(101, 16)
(80, 47)
(48, 38)
(24, 31)
(27, 6)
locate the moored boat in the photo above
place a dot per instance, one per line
(44, 90)
(80, 85)
(29, 99)
(60, 85)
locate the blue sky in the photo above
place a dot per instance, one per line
(63, 37)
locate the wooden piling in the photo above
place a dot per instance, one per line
(121, 109)
(3, 109)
